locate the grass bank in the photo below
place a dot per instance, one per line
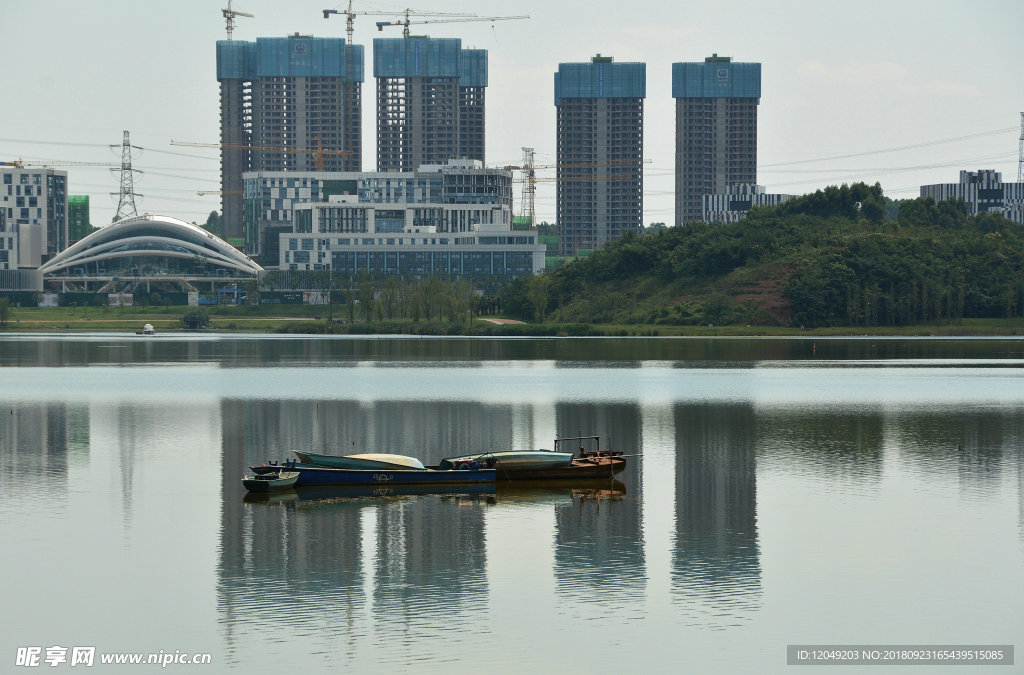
(313, 319)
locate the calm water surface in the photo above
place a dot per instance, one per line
(825, 491)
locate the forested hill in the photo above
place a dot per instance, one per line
(825, 259)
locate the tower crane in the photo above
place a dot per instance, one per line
(530, 178)
(350, 16)
(405, 23)
(229, 17)
(349, 29)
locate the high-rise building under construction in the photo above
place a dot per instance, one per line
(716, 130)
(286, 105)
(600, 151)
(430, 101)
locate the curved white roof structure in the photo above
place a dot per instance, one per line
(158, 241)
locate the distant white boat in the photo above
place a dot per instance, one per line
(146, 330)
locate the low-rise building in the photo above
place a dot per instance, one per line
(983, 192)
(453, 220)
(738, 198)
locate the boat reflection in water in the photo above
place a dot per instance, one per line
(519, 492)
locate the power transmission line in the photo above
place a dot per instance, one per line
(900, 148)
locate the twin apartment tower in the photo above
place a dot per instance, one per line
(293, 104)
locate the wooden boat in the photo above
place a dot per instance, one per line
(362, 461)
(270, 481)
(516, 460)
(322, 475)
(580, 468)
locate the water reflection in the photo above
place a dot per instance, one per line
(402, 562)
(599, 550)
(969, 444)
(234, 350)
(36, 440)
(427, 430)
(716, 560)
(841, 443)
(687, 539)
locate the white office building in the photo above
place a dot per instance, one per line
(451, 220)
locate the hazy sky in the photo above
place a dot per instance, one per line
(903, 92)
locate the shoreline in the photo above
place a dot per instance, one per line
(483, 328)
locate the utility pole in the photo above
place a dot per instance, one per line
(126, 200)
(1020, 159)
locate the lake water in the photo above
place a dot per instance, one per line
(790, 491)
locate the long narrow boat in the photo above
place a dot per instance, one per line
(321, 475)
(516, 460)
(548, 464)
(361, 461)
(580, 468)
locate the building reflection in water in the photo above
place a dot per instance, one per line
(842, 445)
(36, 442)
(401, 565)
(415, 559)
(282, 564)
(717, 556)
(969, 444)
(401, 560)
(599, 549)
(430, 430)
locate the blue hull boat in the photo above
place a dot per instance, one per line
(319, 475)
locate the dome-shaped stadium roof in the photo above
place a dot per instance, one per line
(151, 236)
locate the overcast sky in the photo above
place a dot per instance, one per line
(903, 92)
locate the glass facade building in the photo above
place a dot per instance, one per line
(79, 225)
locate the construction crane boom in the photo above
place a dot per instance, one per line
(317, 152)
(574, 179)
(44, 163)
(406, 22)
(576, 165)
(350, 16)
